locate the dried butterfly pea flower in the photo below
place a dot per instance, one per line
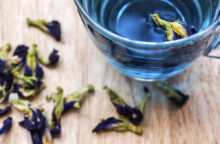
(52, 28)
(3, 55)
(6, 82)
(175, 30)
(21, 51)
(133, 114)
(51, 60)
(21, 105)
(29, 80)
(74, 99)
(34, 121)
(36, 125)
(32, 68)
(119, 125)
(7, 124)
(5, 111)
(25, 92)
(2, 66)
(54, 124)
(174, 95)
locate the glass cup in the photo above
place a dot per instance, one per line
(147, 61)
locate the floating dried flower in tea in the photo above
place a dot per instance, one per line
(174, 95)
(175, 30)
(119, 125)
(5, 111)
(52, 28)
(7, 124)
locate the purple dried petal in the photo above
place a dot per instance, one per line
(56, 125)
(53, 58)
(39, 73)
(36, 126)
(106, 124)
(21, 51)
(7, 124)
(2, 66)
(54, 29)
(132, 114)
(5, 110)
(184, 98)
(68, 106)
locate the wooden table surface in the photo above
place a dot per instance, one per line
(198, 122)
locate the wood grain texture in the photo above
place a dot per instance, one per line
(81, 63)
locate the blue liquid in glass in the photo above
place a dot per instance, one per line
(132, 18)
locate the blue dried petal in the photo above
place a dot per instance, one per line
(36, 126)
(54, 29)
(56, 130)
(24, 92)
(106, 124)
(9, 80)
(7, 124)
(68, 106)
(174, 95)
(133, 114)
(53, 58)
(5, 111)
(32, 68)
(38, 71)
(184, 98)
(6, 79)
(21, 51)
(2, 66)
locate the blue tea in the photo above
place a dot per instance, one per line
(132, 20)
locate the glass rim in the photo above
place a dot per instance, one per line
(143, 44)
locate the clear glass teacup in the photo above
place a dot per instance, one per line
(144, 60)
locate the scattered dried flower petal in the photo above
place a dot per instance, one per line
(25, 92)
(36, 125)
(6, 82)
(5, 111)
(174, 95)
(52, 28)
(133, 114)
(21, 51)
(32, 68)
(5, 49)
(75, 98)
(51, 60)
(119, 125)
(7, 124)
(54, 124)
